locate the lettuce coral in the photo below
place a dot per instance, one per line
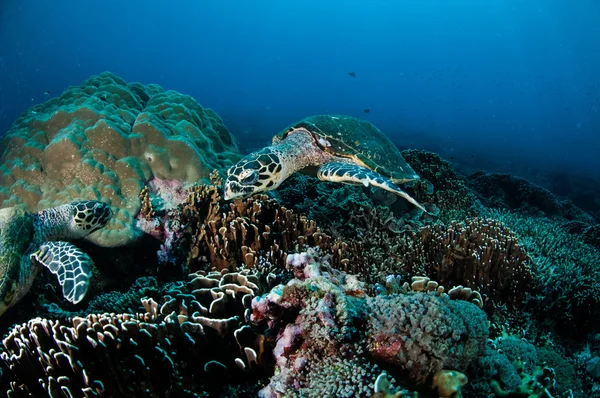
(104, 140)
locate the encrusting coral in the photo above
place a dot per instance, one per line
(104, 140)
(330, 333)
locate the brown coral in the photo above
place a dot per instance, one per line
(479, 254)
(230, 238)
(104, 140)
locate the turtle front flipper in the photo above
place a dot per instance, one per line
(352, 174)
(71, 266)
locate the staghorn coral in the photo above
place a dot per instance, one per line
(104, 140)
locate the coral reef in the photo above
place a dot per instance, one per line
(315, 290)
(327, 203)
(533, 385)
(506, 191)
(478, 253)
(482, 254)
(326, 325)
(441, 186)
(213, 235)
(193, 342)
(104, 140)
(566, 271)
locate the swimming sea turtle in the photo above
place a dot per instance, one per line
(28, 241)
(343, 148)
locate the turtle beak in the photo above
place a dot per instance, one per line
(227, 195)
(235, 190)
(232, 190)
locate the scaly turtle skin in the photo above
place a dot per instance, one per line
(30, 241)
(340, 148)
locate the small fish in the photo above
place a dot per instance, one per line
(46, 93)
(367, 110)
(351, 74)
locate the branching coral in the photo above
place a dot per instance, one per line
(104, 140)
(479, 253)
(218, 236)
(482, 254)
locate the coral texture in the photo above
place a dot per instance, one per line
(330, 333)
(211, 234)
(104, 140)
(192, 341)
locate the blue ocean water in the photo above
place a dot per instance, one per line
(501, 85)
(304, 292)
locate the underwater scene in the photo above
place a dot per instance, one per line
(300, 199)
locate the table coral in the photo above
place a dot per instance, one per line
(104, 140)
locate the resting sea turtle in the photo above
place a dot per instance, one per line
(28, 241)
(343, 148)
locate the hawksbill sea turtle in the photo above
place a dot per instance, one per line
(29, 241)
(339, 148)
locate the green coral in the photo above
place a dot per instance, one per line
(566, 270)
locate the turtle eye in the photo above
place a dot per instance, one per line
(249, 176)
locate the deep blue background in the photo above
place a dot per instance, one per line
(504, 84)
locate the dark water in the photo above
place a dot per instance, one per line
(511, 84)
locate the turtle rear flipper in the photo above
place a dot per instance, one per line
(347, 173)
(71, 266)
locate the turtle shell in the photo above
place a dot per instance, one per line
(16, 234)
(357, 140)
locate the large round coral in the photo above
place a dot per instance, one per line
(104, 140)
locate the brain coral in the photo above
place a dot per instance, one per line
(104, 140)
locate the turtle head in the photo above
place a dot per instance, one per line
(258, 172)
(88, 216)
